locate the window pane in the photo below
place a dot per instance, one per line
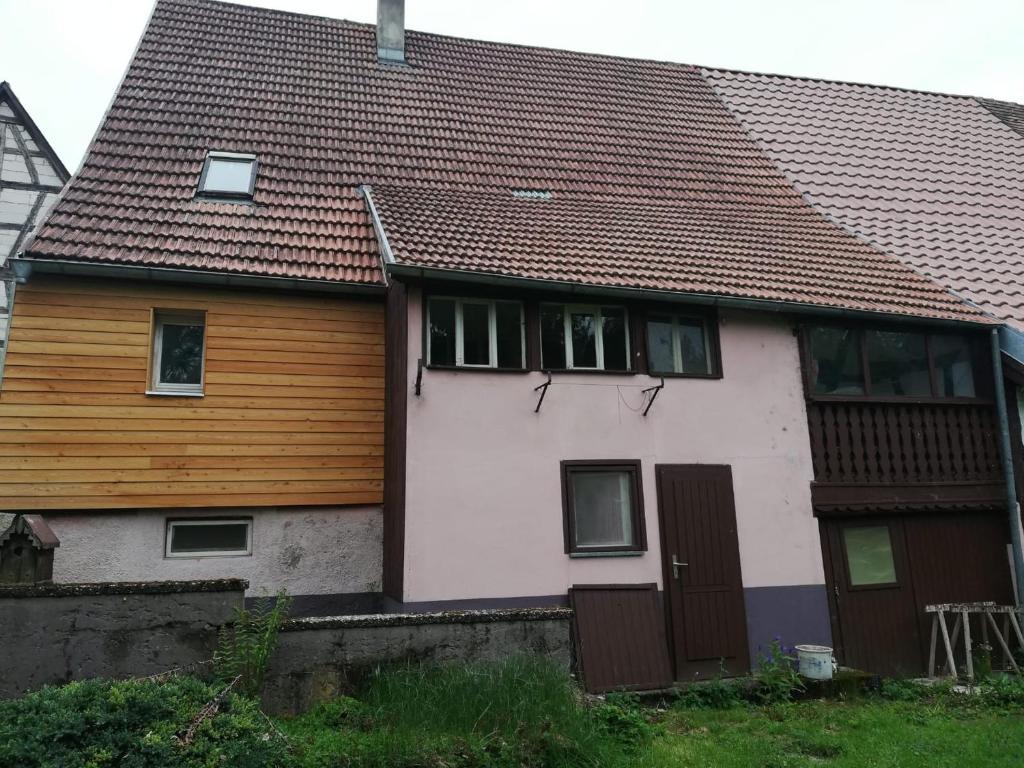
(509, 319)
(954, 367)
(442, 331)
(613, 338)
(661, 357)
(215, 537)
(693, 346)
(869, 556)
(898, 363)
(603, 508)
(552, 337)
(476, 334)
(836, 364)
(181, 354)
(225, 175)
(583, 330)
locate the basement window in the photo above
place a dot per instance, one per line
(475, 333)
(209, 538)
(228, 175)
(178, 351)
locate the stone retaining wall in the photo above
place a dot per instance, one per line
(51, 634)
(318, 658)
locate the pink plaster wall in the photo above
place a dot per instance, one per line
(483, 497)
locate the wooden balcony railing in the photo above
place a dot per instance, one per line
(887, 443)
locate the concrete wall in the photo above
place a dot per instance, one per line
(316, 659)
(55, 634)
(308, 551)
(484, 509)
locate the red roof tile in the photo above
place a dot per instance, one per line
(654, 183)
(933, 179)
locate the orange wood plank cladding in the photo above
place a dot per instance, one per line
(292, 412)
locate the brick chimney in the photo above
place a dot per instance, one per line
(391, 31)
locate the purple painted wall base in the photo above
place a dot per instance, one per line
(796, 615)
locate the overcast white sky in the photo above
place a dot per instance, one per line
(65, 57)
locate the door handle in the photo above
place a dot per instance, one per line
(676, 565)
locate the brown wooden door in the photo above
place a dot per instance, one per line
(703, 595)
(873, 603)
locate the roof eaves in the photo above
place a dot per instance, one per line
(705, 299)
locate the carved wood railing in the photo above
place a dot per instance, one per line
(887, 443)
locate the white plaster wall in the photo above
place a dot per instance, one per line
(306, 551)
(483, 497)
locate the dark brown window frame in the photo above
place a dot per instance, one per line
(228, 196)
(632, 466)
(636, 327)
(714, 347)
(848, 574)
(982, 382)
(524, 310)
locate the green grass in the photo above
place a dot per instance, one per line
(868, 733)
(523, 712)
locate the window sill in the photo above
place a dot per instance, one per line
(588, 371)
(656, 375)
(619, 553)
(475, 369)
(159, 393)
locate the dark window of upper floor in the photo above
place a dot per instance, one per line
(584, 337)
(679, 345)
(228, 175)
(475, 333)
(890, 363)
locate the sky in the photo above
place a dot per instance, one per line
(64, 58)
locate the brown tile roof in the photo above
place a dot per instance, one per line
(934, 179)
(654, 183)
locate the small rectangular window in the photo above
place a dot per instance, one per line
(475, 333)
(208, 537)
(954, 366)
(178, 343)
(899, 364)
(678, 345)
(229, 175)
(603, 507)
(869, 556)
(837, 361)
(577, 337)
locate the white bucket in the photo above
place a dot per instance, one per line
(815, 661)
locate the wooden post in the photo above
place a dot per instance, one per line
(946, 643)
(1002, 644)
(931, 651)
(967, 645)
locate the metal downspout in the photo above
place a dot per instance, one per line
(1006, 454)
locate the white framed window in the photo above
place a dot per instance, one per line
(228, 175)
(475, 333)
(584, 337)
(677, 344)
(179, 341)
(209, 537)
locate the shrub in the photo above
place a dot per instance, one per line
(244, 646)
(776, 680)
(714, 694)
(135, 723)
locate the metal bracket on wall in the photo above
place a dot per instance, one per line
(654, 394)
(419, 376)
(543, 389)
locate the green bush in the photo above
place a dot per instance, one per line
(135, 724)
(713, 694)
(520, 712)
(776, 680)
(244, 646)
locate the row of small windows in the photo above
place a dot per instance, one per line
(485, 333)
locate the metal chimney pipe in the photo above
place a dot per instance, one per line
(391, 31)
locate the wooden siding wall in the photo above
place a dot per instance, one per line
(293, 412)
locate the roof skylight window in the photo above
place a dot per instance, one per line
(228, 175)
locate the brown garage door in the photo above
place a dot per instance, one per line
(883, 571)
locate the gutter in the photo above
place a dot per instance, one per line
(703, 299)
(1006, 455)
(25, 268)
